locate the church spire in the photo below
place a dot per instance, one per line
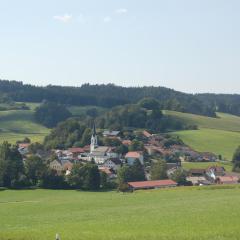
(94, 130)
(94, 142)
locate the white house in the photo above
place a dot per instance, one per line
(112, 163)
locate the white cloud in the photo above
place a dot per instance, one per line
(121, 11)
(64, 18)
(107, 19)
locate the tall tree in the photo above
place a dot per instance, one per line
(35, 168)
(11, 165)
(159, 170)
(50, 114)
(137, 169)
(85, 176)
(236, 160)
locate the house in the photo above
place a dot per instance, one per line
(146, 134)
(75, 152)
(112, 163)
(108, 133)
(208, 157)
(127, 142)
(57, 166)
(227, 180)
(60, 166)
(23, 148)
(197, 172)
(196, 181)
(152, 184)
(132, 156)
(216, 170)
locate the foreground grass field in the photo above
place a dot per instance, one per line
(182, 213)
(17, 124)
(218, 135)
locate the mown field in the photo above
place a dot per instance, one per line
(183, 214)
(188, 165)
(218, 135)
(17, 124)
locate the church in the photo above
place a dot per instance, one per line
(99, 154)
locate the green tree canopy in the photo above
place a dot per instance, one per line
(149, 103)
(50, 114)
(11, 165)
(159, 170)
(35, 168)
(85, 176)
(236, 160)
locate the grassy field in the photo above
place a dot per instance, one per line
(211, 140)
(17, 124)
(218, 135)
(189, 165)
(182, 213)
(224, 121)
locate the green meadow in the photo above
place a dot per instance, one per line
(188, 213)
(17, 124)
(219, 135)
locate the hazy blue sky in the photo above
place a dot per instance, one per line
(188, 45)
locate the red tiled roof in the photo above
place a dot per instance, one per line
(105, 170)
(24, 145)
(126, 142)
(152, 184)
(76, 150)
(228, 179)
(133, 155)
(146, 134)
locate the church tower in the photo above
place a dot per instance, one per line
(94, 143)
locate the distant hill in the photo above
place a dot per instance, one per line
(105, 96)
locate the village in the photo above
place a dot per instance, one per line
(153, 147)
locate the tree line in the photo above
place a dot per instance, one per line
(106, 96)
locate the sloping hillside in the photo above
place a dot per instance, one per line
(17, 124)
(218, 135)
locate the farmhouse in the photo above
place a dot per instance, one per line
(198, 180)
(152, 184)
(146, 134)
(75, 152)
(60, 166)
(108, 133)
(23, 148)
(227, 180)
(132, 156)
(112, 163)
(197, 172)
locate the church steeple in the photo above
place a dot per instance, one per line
(94, 143)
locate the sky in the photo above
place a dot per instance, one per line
(188, 45)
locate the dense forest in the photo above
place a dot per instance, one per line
(110, 96)
(105, 96)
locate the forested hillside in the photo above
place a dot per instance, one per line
(105, 96)
(227, 103)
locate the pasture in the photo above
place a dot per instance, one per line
(219, 135)
(199, 213)
(17, 124)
